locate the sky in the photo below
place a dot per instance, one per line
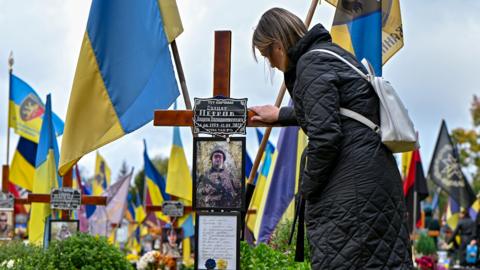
(435, 73)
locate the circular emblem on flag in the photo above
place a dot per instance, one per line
(447, 169)
(31, 108)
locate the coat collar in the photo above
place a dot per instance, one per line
(316, 35)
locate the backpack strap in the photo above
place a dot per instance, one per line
(365, 76)
(360, 118)
(344, 111)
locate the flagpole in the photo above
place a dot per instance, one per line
(278, 102)
(5, 168)
(181, 78)
(415, 199)
(10, 70)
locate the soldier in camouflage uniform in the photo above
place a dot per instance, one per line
(218, 187)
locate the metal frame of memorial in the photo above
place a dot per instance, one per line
(241, 169)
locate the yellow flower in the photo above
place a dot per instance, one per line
(222, 264)
(132, 257)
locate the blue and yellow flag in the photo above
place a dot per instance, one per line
(368, 29)
(140, 214)
(46, 176)
(284, 182)
(124, 72)
(262, 186)
(154, 184)
(22, 169)
(101, 180)
(179, 178)
(26, 111)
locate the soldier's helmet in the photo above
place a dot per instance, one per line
(218, 149)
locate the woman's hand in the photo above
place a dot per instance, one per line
(265, 113)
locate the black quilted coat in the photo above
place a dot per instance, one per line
(355, 213)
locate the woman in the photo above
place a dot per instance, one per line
(354, 202)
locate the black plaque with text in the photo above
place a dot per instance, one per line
(65, 199)
(220, 116)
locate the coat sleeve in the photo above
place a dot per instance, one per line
(287, 117)
(319, 99)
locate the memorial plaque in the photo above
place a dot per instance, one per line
(65, 199)
(218, 245)
(6, 200)
(220, 116)
(172, 208)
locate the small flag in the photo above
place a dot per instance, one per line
(46, 176)
(415, 181)
(101, 180)
(154, 184)
(22, 169)
(179, 178)
(445, 170)
(27, 111)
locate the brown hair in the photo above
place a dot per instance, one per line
(277, 25)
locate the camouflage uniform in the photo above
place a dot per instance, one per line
(218, 188)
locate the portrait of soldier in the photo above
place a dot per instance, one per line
(217, 187)
(6, 228)
(63, 233)
(172, 245)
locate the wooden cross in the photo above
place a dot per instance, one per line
(221, 87)
(45, 198)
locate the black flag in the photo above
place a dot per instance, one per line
(445, 170)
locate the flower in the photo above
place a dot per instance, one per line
(10, 264)
(222, 264)
(210, 264)
(155, 260)
(425, 262)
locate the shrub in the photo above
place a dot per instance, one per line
(16, 254)
(425, 245)
(264, 257)
(83, 251)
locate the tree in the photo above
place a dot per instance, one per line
(468, 144)
(124, 170)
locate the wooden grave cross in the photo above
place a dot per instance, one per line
(45, 198)
(221, 87)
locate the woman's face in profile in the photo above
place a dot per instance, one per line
(276, 55)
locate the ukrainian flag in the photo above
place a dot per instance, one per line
(101, 180)
(22, 169)
(46, 176)
(140, 214)
(124, 72)
(188, 232)
(155, 184)
(133, 228)
(179, 179)
(368, 29)
(284, 182)
(262, 186)
(26, 111)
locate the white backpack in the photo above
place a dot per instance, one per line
(396, 128)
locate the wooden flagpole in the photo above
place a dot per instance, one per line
(5, 167)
